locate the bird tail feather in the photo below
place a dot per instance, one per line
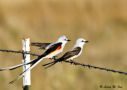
(17, 66)
(22, 74)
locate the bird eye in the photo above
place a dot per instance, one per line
(65, 39)
(82, 41)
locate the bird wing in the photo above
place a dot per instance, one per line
(52, 48)
(41, 45)
(71, 53)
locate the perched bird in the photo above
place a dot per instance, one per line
(53, 49)
(71, 54)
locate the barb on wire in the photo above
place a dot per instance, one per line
(71, 62)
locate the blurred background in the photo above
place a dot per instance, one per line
(103, 23)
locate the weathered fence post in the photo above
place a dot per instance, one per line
(26, 58)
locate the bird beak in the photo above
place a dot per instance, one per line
(68, 40)
(86, 41)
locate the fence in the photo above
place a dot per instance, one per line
(26, 52)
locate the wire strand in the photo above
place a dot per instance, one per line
(71, 62)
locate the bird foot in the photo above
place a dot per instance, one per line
(54, 57)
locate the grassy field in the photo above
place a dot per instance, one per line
(102, 23)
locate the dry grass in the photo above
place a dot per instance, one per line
(103, 23)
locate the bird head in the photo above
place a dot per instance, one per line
(81, 42)
(63, 39)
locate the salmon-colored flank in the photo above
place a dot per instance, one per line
(59, 47)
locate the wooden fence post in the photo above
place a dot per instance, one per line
(26, 58)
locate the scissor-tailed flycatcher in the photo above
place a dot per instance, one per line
(71, 54)
(52, 50)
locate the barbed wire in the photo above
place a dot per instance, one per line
(20, 51)
(95, 67)
(71, 62)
